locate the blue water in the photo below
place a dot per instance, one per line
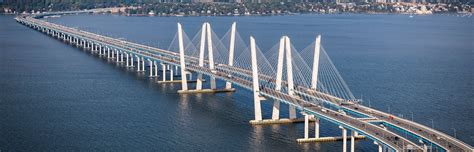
(54, 97)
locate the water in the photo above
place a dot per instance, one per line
(54, 97)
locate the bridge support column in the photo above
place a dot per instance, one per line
(276, 110)
(344, 139)
(353, 136)
(118, 56)
(210, 55)
(156, 68)
(255, 81)
(276, 104)
(127, 59)
(163, 69)
(176, 71)
(121, 56)
(150, 65)
(138, 64)
(228, 85)
(379, 145)
(316, 127)
(108, 52)
(100, 50)
(184, 81)
(131, 60)
(201, 55)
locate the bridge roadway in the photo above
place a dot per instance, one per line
(438, 138)
(374, 132)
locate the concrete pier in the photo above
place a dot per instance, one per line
(179, 81)
(206, 91)
(277, 121)
(326, 139)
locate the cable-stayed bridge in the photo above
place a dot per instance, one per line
(306, 80)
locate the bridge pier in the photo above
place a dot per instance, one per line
(353, 135)
(163, 69)
(127, 58)
(255, 85)
(138, 64)
(150, 66)
(108, 52)
(117, 60)
(112, 53)
(121, 56)
(156, 68)
(344, 139)
(99, 49)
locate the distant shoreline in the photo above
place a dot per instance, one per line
(270, 15)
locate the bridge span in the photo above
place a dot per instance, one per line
(310, 100)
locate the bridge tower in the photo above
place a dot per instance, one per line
(284, 54)
(255, 86)
(184, 80)
(206, 36)
(231, 51)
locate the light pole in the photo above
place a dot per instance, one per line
(454, 129)
(432, 123)
(411, 115)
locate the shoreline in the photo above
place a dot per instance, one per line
(272, 15)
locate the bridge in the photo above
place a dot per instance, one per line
(306, 80)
